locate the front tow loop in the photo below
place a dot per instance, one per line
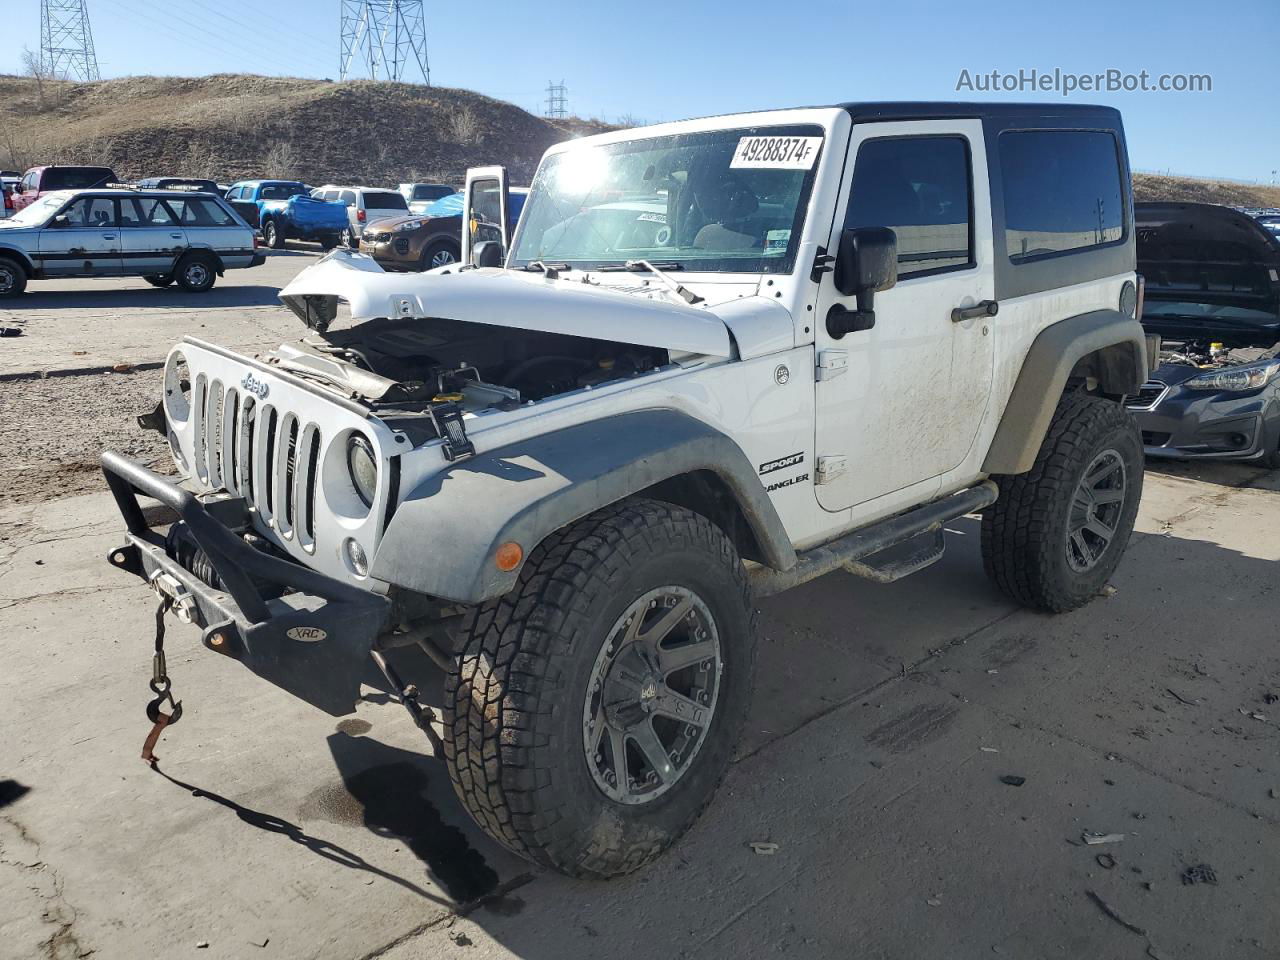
(161, 686)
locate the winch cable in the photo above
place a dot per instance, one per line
(161, 687)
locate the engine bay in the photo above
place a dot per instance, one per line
(1213, 355)
(418, 363)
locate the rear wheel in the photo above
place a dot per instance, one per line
(329, 241)
(159, 280)
(1057, 533)
(348, 238)
(196, 273)
(594, 709)
(13, 277)
(272, 235)
(440, 253)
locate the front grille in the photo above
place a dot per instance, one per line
(268, 456)
(371, 237)
(1148, 396)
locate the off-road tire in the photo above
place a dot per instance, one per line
(514, 703)
(196, 281)
(434, 249)
(14, 279)
(159, 280)
(272, 235)
(1024, 533)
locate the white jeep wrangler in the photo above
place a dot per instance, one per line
(718, 358)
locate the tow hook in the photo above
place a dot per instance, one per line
(182, 602)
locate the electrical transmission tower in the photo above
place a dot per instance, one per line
(384, 38)
(66, 42)
(557, 101)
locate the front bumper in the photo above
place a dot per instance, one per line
(313, 641)
(399, 253)
(1190, 424)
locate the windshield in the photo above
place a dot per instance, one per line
(38, 212)
(722, 201)
(280, 191)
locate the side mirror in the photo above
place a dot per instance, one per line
(866, 262)
(60, 220)
(487, 253)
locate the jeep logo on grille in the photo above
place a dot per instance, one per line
(252, 384)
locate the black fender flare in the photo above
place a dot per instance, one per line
(443, 536)
(1106, 345)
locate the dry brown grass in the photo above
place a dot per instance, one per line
(234, 126)
(1150, 186)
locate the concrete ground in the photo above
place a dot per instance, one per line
(884, 720)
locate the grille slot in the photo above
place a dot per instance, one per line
(1151, 393)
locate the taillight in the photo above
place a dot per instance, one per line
(360, 215)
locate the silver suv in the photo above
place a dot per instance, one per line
(164, 236)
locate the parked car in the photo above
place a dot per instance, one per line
(431, 240)
(1270, 222)
(9, 180)
(570, 476)
(162, 236)
(188, 183)
(1212, 277)
(363, 205)
(421, 195)
(38, 181)
(285, 210)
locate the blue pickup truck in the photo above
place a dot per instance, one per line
(284, 210)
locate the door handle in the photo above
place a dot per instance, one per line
(108, 236)
(176, 236)
(987, 308)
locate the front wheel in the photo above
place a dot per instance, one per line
(439, 253)
(272, 235)
(13, 278)
(1057, 533)
(594, 709)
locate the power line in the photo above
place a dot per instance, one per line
(384, 38)
(557, 101)
(66, 41)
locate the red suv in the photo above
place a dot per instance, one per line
(41, 180)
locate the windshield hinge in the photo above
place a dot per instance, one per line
(823, 262)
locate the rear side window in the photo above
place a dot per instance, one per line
(76, 178)
(280, 191)
(197, 212)
(1062, 191)
(385, 201)
(348, 197)
(919, 187)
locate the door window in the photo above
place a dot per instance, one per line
(154, 212)
(131, 213)
(91, 212)
(921, 188)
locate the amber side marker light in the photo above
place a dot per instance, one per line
(508, 556)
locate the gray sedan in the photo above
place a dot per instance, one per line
(164, 236)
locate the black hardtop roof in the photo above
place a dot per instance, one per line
(945, 110)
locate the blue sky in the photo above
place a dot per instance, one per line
(666, 61)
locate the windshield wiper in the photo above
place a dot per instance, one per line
(550, 270)
(645, 266)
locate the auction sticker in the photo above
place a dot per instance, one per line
(776, 153)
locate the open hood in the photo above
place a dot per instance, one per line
(1211, 273)
(504, 298)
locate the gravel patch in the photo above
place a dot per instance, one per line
(53, 430)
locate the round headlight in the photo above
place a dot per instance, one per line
(1129, 299)
(363, 468)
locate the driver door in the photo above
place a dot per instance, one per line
(900, 404)
(484, 209)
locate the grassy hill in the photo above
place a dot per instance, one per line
(232, 126)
